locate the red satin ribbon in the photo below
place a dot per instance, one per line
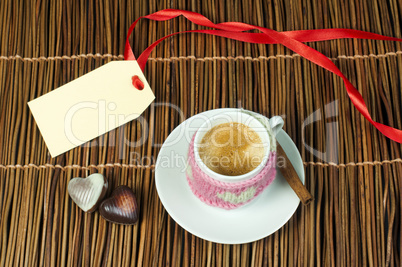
(291, 39)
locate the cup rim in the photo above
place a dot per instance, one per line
(227, 178)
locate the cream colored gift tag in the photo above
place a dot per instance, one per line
(90, 106)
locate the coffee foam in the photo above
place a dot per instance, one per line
(231, 149)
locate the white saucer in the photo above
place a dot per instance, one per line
(258, 219)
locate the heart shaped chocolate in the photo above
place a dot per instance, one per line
(88, 192)
(121, 207)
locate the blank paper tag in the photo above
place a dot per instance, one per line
(90, 106)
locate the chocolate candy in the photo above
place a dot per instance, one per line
(121, 207)
(88, 192)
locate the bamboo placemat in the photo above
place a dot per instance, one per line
(356, 217)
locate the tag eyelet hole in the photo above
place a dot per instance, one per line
(137, 83)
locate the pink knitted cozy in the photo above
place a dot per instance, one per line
(227, 195)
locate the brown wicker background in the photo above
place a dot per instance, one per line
(355, 219)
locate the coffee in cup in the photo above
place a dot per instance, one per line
(231, 149)
(214, 173)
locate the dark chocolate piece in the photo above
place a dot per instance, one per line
(121, 207)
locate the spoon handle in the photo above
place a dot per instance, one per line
(289, 172)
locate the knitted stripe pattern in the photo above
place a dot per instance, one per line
(228, 195)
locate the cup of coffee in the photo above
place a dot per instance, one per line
(232, 158)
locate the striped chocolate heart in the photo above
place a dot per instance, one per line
(88, 192)
(121, 207)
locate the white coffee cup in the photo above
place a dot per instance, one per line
(260, 124)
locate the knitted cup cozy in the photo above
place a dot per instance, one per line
(228, 195)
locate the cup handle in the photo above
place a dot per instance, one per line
(276, 123)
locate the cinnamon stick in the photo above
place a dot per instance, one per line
(289, 172)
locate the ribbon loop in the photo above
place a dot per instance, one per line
(293, 40)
